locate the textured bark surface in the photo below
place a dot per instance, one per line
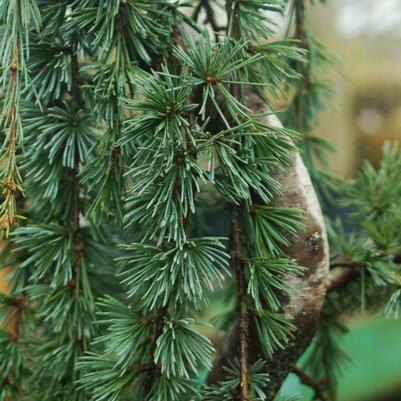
(311, 251)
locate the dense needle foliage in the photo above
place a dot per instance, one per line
(126, 128)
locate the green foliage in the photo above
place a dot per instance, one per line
(325, 359)
(139, 129)
(375, 192)
(267, 281)
(268, 223)
(376, 243)
(10, 368)
(393, 307)
(226, 390)
(17, 17)
(276, 328)
(180, 350)
(185, 273)
(369, 254)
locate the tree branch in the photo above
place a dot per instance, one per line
(347, 264)
(350, 272)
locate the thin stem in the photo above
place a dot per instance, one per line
(76, 100)
(243, 327)
(363, 291)
(153, 367)
(76, 207)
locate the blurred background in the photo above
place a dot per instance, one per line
(366, 111)
(366, 37)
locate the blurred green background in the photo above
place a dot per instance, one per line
(373, 373)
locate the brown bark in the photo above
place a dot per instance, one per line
(243, 325)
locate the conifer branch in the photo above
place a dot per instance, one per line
(17, 18)
(192, 125)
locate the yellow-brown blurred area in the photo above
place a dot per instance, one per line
(366, 36)
(4, 289)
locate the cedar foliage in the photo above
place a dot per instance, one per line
(125, 132)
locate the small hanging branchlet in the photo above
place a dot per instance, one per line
(236, 246)
(163, 315)
(18, 19)
(10, 179)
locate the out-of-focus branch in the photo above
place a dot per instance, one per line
(310, 382)
(349, 272)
